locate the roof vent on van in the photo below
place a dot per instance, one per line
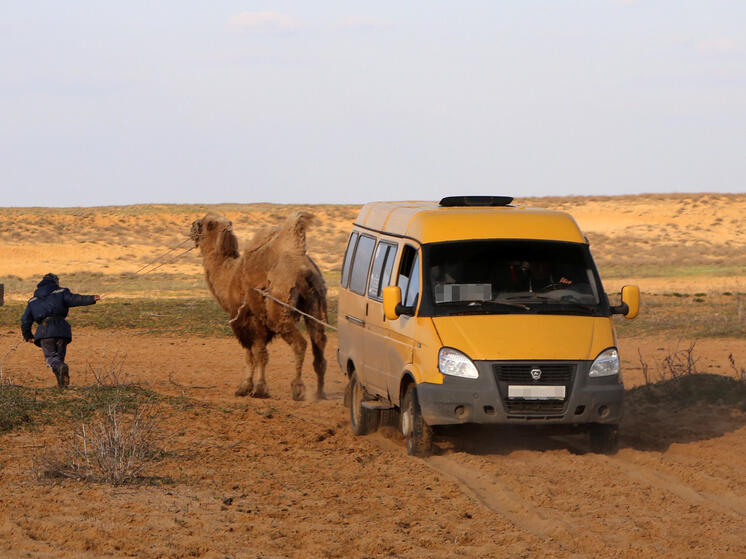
(451, 201)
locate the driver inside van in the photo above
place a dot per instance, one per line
(536, 276)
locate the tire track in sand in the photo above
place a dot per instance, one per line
(724, 504)
(497, 496)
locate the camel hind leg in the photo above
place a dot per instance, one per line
(317, 333)
(295, 339)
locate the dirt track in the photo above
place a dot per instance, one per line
(277, 478)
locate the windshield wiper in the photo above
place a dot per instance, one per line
(544, 299)
(509, 304)
(531, 298)
(475, 305)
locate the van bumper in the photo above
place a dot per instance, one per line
(485, 399)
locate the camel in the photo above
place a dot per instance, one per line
(274, 262)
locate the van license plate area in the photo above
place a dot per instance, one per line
(536, 392)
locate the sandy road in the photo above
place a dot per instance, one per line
(598, 503)
(300, 485)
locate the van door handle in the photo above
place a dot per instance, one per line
(355, 320)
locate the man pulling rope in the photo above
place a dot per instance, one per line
(49, 307)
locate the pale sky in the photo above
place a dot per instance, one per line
(323, 101)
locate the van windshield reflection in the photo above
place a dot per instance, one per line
(516, 277)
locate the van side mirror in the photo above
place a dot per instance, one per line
(391, 301)
(630, 306)
(392, 307)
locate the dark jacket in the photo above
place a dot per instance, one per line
(49, 307)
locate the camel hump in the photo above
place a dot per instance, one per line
(292, 234)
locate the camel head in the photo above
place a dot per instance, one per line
(214, 234)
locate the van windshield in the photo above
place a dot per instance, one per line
(509, 276)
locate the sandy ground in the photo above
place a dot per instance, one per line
(278, 478)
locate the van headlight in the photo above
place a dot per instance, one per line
(453, 362)
(606, 364)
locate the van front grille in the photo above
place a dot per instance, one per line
(521, 374)
(552, 374)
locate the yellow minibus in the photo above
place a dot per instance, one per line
(473, 310)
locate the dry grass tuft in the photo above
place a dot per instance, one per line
(116, 448)
(740, 371)
(112, 373)
(644, 367)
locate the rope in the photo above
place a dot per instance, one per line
(268, 296)
(157, 258)
(172, 260)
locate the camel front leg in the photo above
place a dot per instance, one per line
(261, 358)
(296, 341)
(247, 384)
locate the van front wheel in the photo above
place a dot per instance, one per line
(363, 420)
(417, 433)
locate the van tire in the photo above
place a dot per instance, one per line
(417, 434)
(604, 438)
(362, 420)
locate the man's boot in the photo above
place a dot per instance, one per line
(64, 375)
(58, 375)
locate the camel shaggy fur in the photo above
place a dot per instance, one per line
(274, 261)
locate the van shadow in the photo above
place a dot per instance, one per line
(686, 409)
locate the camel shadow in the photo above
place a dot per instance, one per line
(686, 409)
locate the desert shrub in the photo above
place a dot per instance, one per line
(110, 373)
(680, 363)
(114, 448)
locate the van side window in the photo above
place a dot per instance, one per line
(348, 259)
(382, 262)
(361, 264)
(388, 267)
(409, 273)
(414, 284)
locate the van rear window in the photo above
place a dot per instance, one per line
(361, 264)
